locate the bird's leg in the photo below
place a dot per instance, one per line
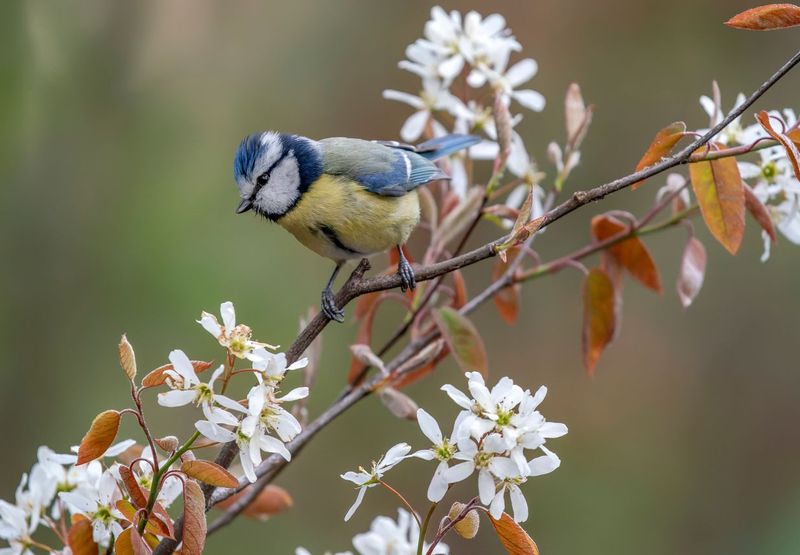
(406, 272)
(329, 307)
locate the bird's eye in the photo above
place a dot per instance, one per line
(261, 180)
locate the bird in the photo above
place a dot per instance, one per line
(343, 198)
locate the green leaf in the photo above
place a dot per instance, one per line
(463, 339)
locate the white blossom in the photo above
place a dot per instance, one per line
(389, 537)
(98, 503)
(433, 97)
(366, 479)
(235, 338)
(186, 387)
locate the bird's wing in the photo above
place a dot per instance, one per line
(384, 169)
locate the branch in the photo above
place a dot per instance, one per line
(357, 285)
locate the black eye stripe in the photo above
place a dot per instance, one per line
(262, 179)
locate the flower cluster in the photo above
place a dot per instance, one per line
(477, 50)
(770, 176)
(492, 436)
(56, 487)
(387, 536)
(260, 425)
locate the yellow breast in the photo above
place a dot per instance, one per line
(339, 219)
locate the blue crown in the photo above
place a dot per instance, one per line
(246, 155)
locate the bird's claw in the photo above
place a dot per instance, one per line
(406, 273)
(329, 307)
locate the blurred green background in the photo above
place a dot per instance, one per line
(119, 123)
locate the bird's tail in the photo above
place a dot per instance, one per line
(444, 146)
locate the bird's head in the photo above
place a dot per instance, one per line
(273, 170)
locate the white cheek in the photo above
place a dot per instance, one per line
(282, 189)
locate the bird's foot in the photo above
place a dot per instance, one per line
(329, 307)
(406, 273)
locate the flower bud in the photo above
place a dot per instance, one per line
(187, 457)
(167, 443)
(398, 403)
(468, 526)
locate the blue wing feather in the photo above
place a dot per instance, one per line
(390, 169)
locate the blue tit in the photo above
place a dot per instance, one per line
(342, 198)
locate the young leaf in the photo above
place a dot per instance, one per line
(429, 212)
(154, 524)
(127, 358)
(421, 364)
(507, 299)
(759, 212)
(99, 437)
(766, 18)
(157, 376)
(459, 290)
(129, 542)
(663, 143)
(719, 191)
(792, 151)
(122, 545)
(194, 519)
(513, 537)
(599, 316)
(209, 473)
(692, 272)
(463, 339)
(578, 117)
(137, 495)
(80, 539)
(631, 253)
(272, 500)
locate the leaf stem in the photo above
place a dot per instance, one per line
(424, 528)
(156, 485)
(404, 500)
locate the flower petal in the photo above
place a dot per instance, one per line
(530, 99)
(228, 314)
(429, 426)
(414, 125)
(176, 397)
(359, 499)
(438, 486)
(486, 487)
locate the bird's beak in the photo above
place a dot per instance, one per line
(244, 206)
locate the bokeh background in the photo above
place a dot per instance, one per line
(119, 123)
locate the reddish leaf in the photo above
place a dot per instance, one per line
(458, 219)
(507, 299)
(271, 501)
(194, 519)
(100, 436)
(692, 272)
(759, 212)
(398, 403)
(137, 494)
(129, 542)
(599, 316)
(127, 358)
(422, 364)
(459, 290)
(154, 524)
(80, 539)
(792, 151)
(513, 537)
(209, 473)
(429, 212)
(718, 187)
(663, 143)
(122, 545)
(766, 18)
(463, 339)
(631, 253)
(157, 377)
